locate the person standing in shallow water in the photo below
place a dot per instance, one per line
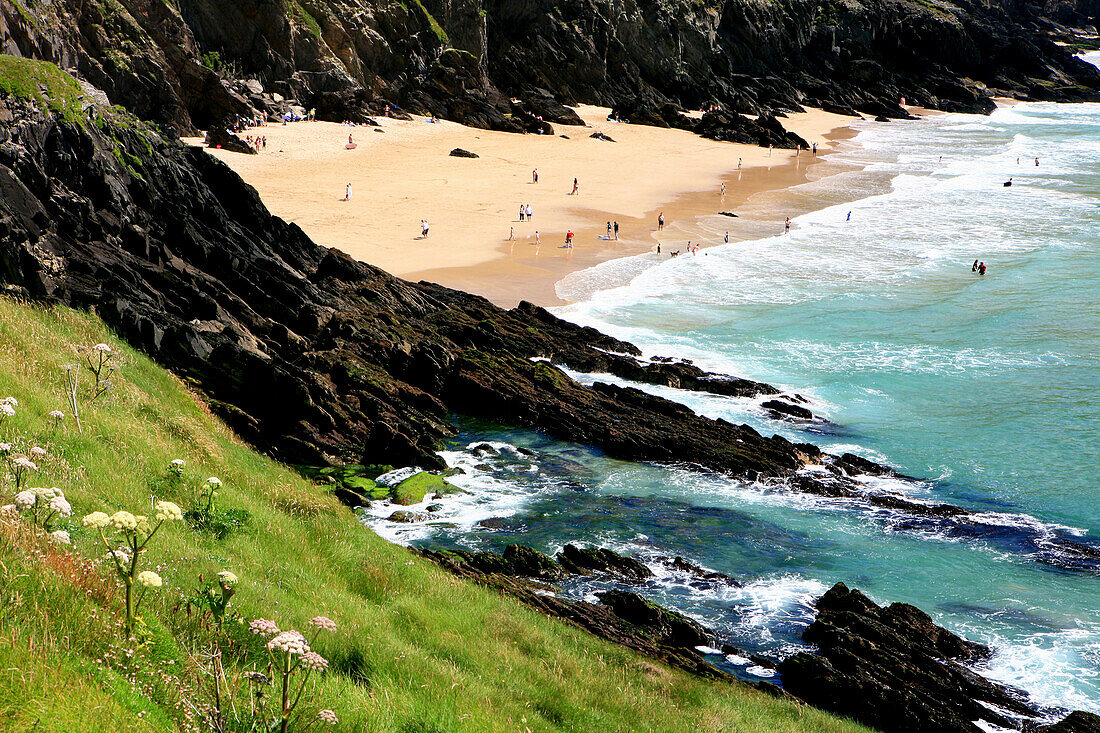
(974, 267)
(661, 221)
(981, 269)
(787, 226)
(616, 227)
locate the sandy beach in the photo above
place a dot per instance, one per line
(402, 173)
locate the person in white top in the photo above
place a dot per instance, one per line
(424, 228)
(347, 193)
(528, 212)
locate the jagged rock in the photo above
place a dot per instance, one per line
(460, 153)
(786, 410)
(894, 669)
(543, 104)
(679, 564)
(727, 213)
(221, 137)
(532, 563)
(667, 627)
(732, 127)
(601, 560)
(360, 106)
(1076, 722)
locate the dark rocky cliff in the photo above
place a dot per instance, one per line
(178, 62)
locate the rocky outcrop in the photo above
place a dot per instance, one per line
(622, 617)
(895, 670)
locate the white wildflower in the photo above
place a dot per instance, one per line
(213, 481)
(56, 415)
(263, 627)
(124, 520)
(8, 510)
(96, 519)
(61, 537)
(314, 661)
(38, 452)
(323, 622)
(61, 505)
(168, 512)
(7, 410)
(25, 499)
(327, 716)
(227, 578)
(102, 347)
(24, 463)
(10, 401)
(6, 448)
(149, 579)
(45, 494)
(289, 642)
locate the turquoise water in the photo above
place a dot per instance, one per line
(986, 389)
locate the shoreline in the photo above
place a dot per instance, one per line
(519, 274)
(406, 174)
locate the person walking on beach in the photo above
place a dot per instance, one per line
(575, 188)
(535, 176)
(569, 238)
(787, 226)
(423, 228)
(530, 216)
(658, 248)
(770, 147)
(738, 164)
(661, 221)
(815, 149)
(609, 230)
(723, 191)
(522, 211)
(511, 234)
(538, 239)
(347, 192)
(616, 231)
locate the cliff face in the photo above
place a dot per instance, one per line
(459, 58)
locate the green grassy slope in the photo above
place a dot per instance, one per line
(416, 650)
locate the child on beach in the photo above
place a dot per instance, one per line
(347, 192)
(424, 228)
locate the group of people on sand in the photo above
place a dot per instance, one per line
(257, 143)
(613, 230)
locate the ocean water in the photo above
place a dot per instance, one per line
(986, 390)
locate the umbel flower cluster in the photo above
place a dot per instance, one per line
(126, 536)
(291, 656)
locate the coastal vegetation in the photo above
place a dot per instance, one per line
(414, 649)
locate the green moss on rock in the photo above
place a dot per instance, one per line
(413, 489)
(42, 83)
